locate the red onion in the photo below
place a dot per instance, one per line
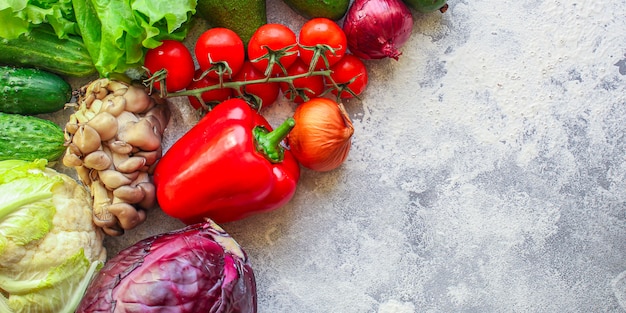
(377, 28)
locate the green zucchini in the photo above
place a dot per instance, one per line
(31, 91)
(331, 9)
(43, 49)
(427, 6)
(241, 16)
(24, 137)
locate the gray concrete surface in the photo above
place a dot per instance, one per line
(486, 173)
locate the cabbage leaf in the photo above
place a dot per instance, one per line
(26, 208)
(43, 267)
(60, 290)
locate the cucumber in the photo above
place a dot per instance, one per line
(331, 9)
(31, 91)
(43, 49)
(24, 137)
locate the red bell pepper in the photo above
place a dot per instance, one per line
(228, 166)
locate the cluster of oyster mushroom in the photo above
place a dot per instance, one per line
(113, 141)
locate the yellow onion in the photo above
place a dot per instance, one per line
(322, 136)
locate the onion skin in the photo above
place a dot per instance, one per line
(376, 29)
(321, 138)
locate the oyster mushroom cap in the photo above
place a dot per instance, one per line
(149, 200)
(160, 114)
(127, 215)
(105, 124)
(138, 100)
(115, 86)
(125, 120)
(142, 135)
(150, 156)
(115, 106)
(87, 139)
(129, 194)
(98, 160)
(131, 164)
(113, 179)
(120, 147)
(70, 159)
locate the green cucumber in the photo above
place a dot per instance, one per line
(243, 17)
(42, 49)
(24, 137)
(331, 9)
(31, 91)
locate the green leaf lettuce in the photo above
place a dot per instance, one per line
(19, 16)
(118, 33)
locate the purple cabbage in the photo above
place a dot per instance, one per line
(199, 268)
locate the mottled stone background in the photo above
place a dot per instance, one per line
(486, 173)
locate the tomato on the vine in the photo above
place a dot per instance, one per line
(266, 92)
(309, 86)
(218, 47)
(350, 74)
(211, 96)
(327, 37)
(270, 45)
(173, 57)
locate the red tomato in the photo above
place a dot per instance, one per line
(175, 58)
(211, 96)
(322, 31)
(310, 86)
(267, 93)
(349, 73)
(218, 47)
(275, 42)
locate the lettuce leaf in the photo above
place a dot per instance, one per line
(117, 33)
(19, 16)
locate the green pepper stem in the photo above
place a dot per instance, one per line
(268, 143)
